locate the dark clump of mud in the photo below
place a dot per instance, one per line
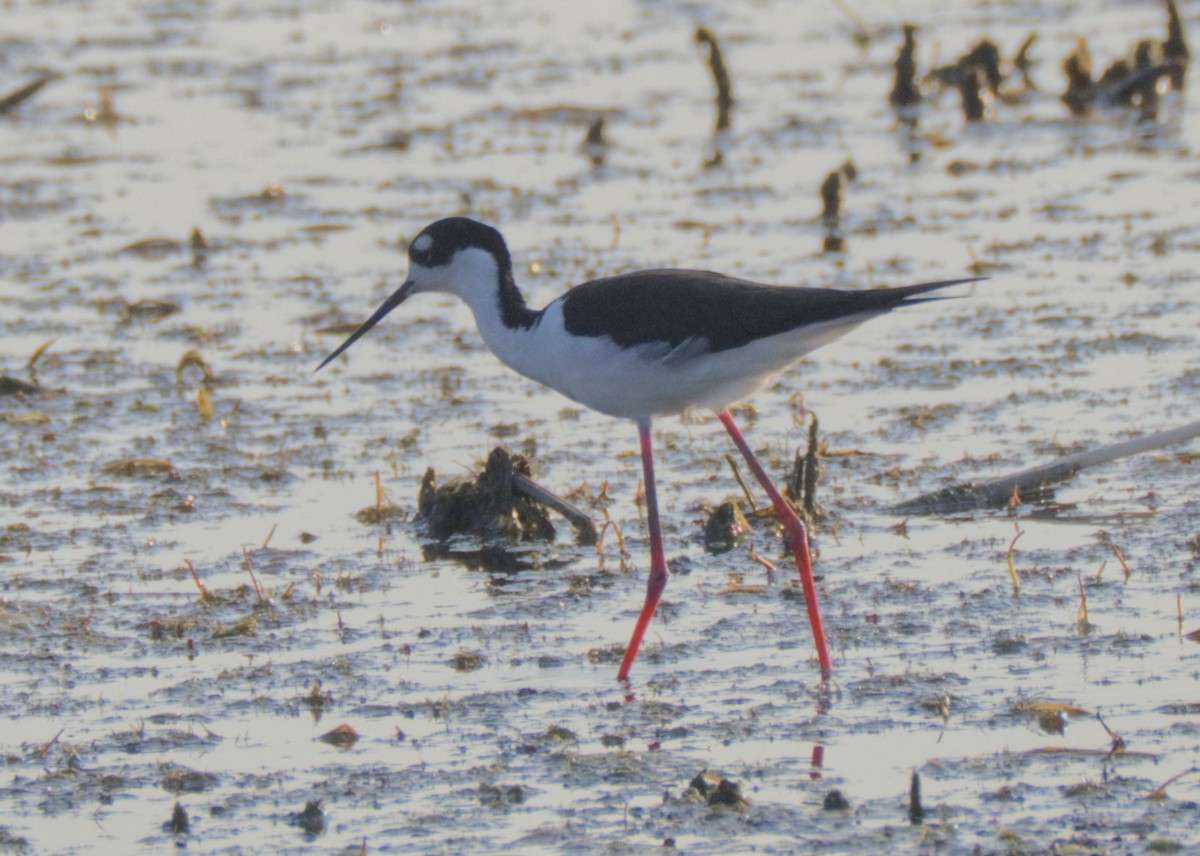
(14, 386)
(802, 481)
(311, 819)
(716, 791)
(1132, 81)
(905, 91)
(725, 528)
(179, 824)
(831, 206)
(916, 810)
(487, 506)
(835, 800)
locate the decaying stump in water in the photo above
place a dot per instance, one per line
(501, 502)
(725, 528)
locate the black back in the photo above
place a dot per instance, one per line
(672, 306)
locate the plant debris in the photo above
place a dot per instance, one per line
(725, 528)
(488, 506)
(343, 737)
(716, 791)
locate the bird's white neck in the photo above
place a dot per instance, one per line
(488, 289)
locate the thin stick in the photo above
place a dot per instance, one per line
(1083, 613)
(765, 562)
(1012, 565)
(37, 353)
(1120, 558)
(1160, 792)
(965, 497)
(45, 748)
(616, 529)
(10, 101)
(716, 64)
(204, 595)
(862, 34)
(585, 529)
(609, 523)
(737, 474)
(1118, 742)
(258, 589)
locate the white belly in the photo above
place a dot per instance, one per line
(645, 382)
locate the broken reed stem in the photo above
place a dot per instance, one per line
(1120, 558)
(270, 535)
(1014, 500)
(812, 469)
(737, 474)
(610, 524)
(378, 496)
(1160, 792)
(1012, 565)
(716, 64)
(1118, 742)
(766, 563)
(616, 530)
(801, 485)
(258, 589)
(37, 354)
(600, 537)
(45, 748)
(204, 595)
(1083, 613)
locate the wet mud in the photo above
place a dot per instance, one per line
(204, 645)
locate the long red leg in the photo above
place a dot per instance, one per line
(658, 564)
(796, 536)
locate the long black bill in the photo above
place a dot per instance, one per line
(400, 295)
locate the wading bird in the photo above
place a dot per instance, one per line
(646, 344)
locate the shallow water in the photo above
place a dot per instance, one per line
(303, 142)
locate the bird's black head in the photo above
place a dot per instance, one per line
(456, 255)
(438, 243)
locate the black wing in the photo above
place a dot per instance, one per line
(672, 306)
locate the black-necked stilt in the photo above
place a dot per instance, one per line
(646, 344)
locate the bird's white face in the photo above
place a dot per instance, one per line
(468, 272)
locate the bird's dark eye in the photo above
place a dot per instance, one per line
(420, 251)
